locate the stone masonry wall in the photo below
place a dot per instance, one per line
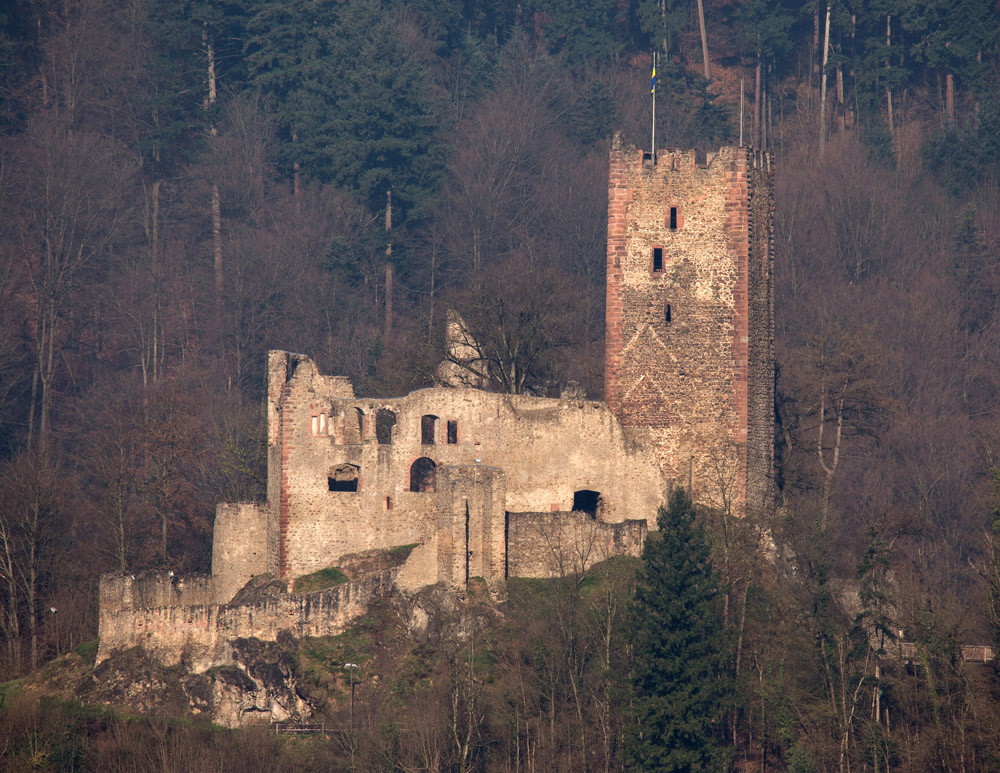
(760, 421)
(200, 634)
(239, 548)
(558, 544)
(547, 449)
(682, 309)
(153, 589)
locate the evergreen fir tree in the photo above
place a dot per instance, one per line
(681, 652)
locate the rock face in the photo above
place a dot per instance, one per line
(261, 685)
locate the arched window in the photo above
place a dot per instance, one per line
(344, 477)
(423, 475)
(385, 420)
(428, 424)
(587, 501)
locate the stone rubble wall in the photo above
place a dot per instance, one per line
(558, 544)
(153, 589)
(199, 635)
(239, 548)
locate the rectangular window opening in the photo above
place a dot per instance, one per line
(657, 259)
(452, 433)
(673, 218)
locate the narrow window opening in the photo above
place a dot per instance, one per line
(385, 420)
(388, 503)
(657, 259)
(315, 425)
(452, 433)
(673, 218)
(322, 424)
(354, 424)
(343, 478)
(423, 476)
(587, 501)
(667, 314)
(428, 425)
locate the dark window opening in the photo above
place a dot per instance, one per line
(673, 218)
(648, 159)
(388, 503)
(423, 476)
(428, 424)
(385, 420)
(701, 158)
(657, 259)
(343, 478)
(667, 314)
(587, 501)
(452, 433)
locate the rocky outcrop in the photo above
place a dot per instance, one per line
(262, 685)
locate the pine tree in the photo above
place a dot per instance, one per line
(679, 674)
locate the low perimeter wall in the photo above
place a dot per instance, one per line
(199, 635)
(554, 544)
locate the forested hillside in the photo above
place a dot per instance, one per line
(186, 184)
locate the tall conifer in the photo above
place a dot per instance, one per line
(681, 652)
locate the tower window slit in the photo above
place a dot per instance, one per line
(657, 259)
(667, 313)
(673, 218)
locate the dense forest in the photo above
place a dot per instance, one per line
(184, 185)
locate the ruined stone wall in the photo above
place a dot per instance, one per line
(239, 548)
(470, 524)
(200, 634)
(153, 589)
(760, 418)
(547, 449)
(563, 543)
(682, 309)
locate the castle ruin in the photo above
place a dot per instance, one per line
(469, 484)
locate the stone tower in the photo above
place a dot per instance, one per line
(689, 358)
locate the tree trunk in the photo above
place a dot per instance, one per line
(763, 111)
(814, 51)
(755, 129)
(888, 91)
(822, 88)
(841, 108)
(217, 247)
(388, 266)
(704, 41)
(949, 98)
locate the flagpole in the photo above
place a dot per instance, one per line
(741, 112)
(653, 89)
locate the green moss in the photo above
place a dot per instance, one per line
(402, 552)
(321, 580)
(88, 650)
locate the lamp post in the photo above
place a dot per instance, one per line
(351, 668)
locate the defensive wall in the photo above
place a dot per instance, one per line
(566, 543)
(199, 634)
